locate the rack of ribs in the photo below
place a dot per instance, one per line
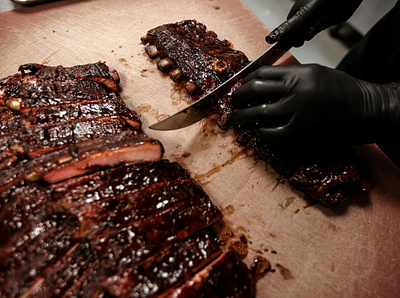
(196, 58)
(88, 205)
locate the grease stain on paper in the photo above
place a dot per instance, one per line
(202, 178)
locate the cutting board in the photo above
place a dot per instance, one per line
(351, 250)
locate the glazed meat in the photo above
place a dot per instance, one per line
(88, 207)
(194, 55)
(34, 247)
(211, 282)
(85, 157)
(42, 138)
(159, 274)
(115, 182)
(45, 85)
(9, 123)
(98, 72)
(78, 110)
(200, 59)
(327, 175)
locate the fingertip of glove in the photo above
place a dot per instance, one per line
(272, 37)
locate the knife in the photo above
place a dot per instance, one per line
(204, 106)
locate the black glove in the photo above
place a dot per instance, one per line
(315, 104)
(309, 17)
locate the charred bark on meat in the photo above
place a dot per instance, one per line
(203, 62)
(85, 198)
(196, 55)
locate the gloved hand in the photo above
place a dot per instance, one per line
(309, 17)
(315, 104)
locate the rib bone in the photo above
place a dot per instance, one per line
(175, 74)
(190, 87)
(164, 64)
(152, 51)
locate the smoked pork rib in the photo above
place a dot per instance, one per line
(193, 54)
(87, 206)
(42, 138)
(80, 109)
(84, 157)
(51, 85)
(61, 275)
(200, 59)
(9, 122)
(46, 239)
(47, 93)
(115, 182)
(160, 274)
(21, 204)
(98, 72)
(215, 280)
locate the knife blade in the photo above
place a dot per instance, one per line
(204, 106)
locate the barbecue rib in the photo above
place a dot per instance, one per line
(88, 207)
(200, 59)
(98, 72)
(193, 54)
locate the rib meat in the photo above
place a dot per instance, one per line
(9, 122)
(61, 275)
(328, 175)
(195, 55)
(98, 72)
(39, 139)
(136, 242)
(54, 85)
(85, 157)
(203, 61)
(166, 270)
(43, 241)
(21, 204)
(225, 277)
(114, 182)
(80, 110)
(87, 205)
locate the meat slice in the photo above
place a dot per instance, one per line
(114, 182)
(40, 244)
(194, 54)
(158, 275)
(23, 203)
(8, 83)
(85, 157)
(7, 160)
(62, 274)
(39, 139)
(139, 242)
(98, 72)
(44, 93)
(142, 239)
(80, 110)
(330, 182)
(11, 177)
(10, 123)
(40, 85)
(107, 216)
(227, 276)
(87, 206)
(89, 283)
